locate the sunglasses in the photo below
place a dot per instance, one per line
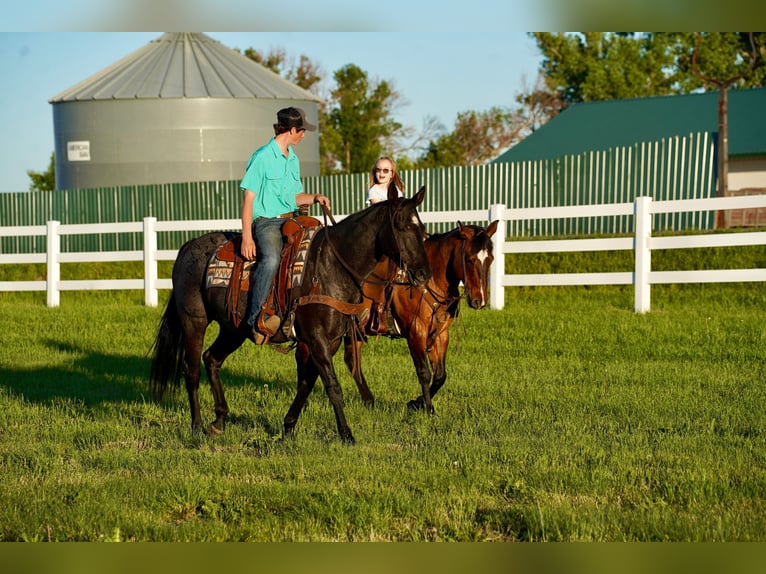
(383, 170)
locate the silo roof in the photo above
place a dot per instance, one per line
(184, 65)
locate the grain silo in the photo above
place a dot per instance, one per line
(182, 108)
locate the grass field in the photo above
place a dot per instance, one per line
(565, 417)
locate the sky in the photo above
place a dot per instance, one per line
(443, 56)
(438, 74)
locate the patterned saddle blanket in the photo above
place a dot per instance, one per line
(228, 269)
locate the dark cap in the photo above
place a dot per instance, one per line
(294, 118)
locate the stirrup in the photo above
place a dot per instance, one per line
(258, 337)
(270, 324)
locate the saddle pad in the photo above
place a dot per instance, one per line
(299, 263)
(221, 264)
(220, 268)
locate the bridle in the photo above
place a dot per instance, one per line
(358, 279)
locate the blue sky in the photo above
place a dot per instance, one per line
(438, 74)
(443, 56)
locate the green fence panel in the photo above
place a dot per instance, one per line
(672, 168)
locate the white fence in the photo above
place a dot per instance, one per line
(642, 243)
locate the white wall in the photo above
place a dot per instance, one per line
(747, 173)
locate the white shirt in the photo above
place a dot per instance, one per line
(379, 193)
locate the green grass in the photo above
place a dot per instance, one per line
(565, 417)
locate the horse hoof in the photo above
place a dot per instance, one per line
(348, 439)
(213, 430)
(415, 405)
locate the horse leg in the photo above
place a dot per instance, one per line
(419, 356)
(437, 356)
(307, 376)
(353, 348)
(312, 363)
(224, 345)
(322, 350)
(193, 340)
(335, 394)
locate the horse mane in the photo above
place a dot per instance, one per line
(478, 229)
(368, 211)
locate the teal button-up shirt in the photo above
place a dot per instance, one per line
(275, 180)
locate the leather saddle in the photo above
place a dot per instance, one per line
(228, 269)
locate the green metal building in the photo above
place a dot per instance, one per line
(597, 126)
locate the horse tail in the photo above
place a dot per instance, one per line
(167, 352)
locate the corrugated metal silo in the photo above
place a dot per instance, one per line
(182, 108)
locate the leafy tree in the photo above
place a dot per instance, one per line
(724, 64)
(601, 66)
(593, 66)
(358, 122)
(538, 105)
(305, 73)
(478, 137)
(712, 59)
(355, 118)
(44, 180)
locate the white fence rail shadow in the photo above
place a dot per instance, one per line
(642, 243)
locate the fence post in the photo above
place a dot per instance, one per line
(151, 274)
(53, 249)
(643, 254)
(497, 270)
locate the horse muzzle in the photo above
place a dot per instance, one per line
(476, 303)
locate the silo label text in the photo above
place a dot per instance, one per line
(78, 151)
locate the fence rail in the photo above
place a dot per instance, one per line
(643, 211)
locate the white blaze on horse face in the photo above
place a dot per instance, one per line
(482, 256)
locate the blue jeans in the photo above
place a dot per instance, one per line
(267, 233)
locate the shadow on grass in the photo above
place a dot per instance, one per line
(95, 378)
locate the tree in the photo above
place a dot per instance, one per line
(538, 105)
(720, 54)
(593, 66)
(357, 124)
(355, 118)
(44, 180)
(706, 59)
(305, 73)
(602, 66)
(477, 138)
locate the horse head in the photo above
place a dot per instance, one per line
(405, 246)
(477, 259)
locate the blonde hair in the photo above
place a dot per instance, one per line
(395, 179)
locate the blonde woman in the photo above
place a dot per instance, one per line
(382, 175)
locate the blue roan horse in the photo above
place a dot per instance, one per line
(339, 260)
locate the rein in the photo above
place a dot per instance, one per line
(358, 279)
(354, 275)
(440, 301)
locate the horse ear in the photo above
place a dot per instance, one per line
(492, 228)
(418, 197)
(463, 230)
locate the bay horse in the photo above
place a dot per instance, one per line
(338, 261)
(424, 314)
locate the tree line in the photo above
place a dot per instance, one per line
(357, 121)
